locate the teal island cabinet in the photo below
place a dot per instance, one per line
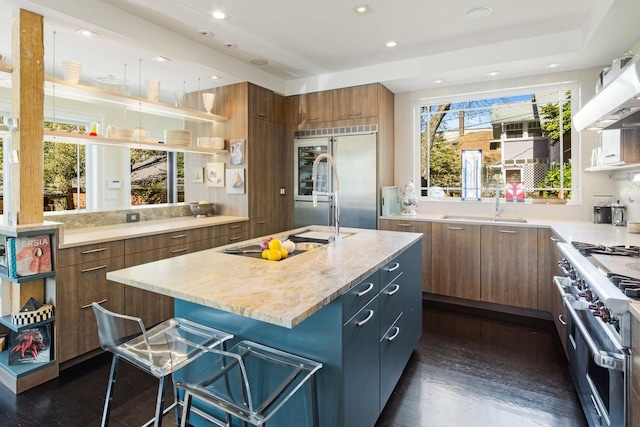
(353, 305)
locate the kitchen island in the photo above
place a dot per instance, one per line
(354, 305)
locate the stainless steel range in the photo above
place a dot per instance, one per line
(596, 303)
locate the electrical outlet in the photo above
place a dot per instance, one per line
(133, 217)
(282, 191)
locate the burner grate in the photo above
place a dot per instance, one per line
(616, 250)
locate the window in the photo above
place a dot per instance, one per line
(156, 177)
(524, 138)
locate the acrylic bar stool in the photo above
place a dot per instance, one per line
(128, 339)
(250, 381)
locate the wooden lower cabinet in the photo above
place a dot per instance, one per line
(509, 266)
(423, 227)
(455, 260)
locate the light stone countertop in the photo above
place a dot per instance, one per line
(108, 233)
(282, 292)
(634, 309)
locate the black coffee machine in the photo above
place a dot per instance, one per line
(602, 209)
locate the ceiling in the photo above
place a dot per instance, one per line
(325, 44)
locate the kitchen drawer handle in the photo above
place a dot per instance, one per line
(233, 227)
(561, 319)
(554, 239)
(405, 225)
(264, 221)
(84, 307)
(88, 270)
(397, 288)
(508, 232)
(92, 251)
(233, 239)
(394, 268)
(611, 155)
(362, 322)
(455, 228)
(313, 118)
(366, 291)
(178, 236)
(393, 337)
(355, 114)
(175, 251)
(261, 115)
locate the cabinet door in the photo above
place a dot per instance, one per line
(509, 266)
(361, 369)
(455, 260)
(355, 102)
(265, 105)
(415, 227)
(546, 259)
(309, 109)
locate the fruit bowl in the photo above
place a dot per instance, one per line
(201, 210)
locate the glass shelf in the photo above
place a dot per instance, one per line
(83, 138)
(84, 93)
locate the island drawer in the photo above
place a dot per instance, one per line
(359, 295)
(89, 253)
(393, 299)
(391, 270)
(396, 347)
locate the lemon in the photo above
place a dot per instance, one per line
(203, 202)
(283, 253)
(274, 255)
(265, 254)
(275, 244)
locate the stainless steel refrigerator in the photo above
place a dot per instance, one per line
(356, 163)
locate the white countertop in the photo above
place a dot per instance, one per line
(282, 292)
(108, 233)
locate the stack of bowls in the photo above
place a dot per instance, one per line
(177, 137)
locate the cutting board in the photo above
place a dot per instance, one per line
(628, 266)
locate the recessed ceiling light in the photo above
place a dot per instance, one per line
(392, 44)
(161, 59)
(438, 81)
(362, 10)
(86, 33)
(231, 45)
(477, 13)
(205, 33)
(493, 73)
(214, 77)
(220, 15)
(553, 65)
(259, 61)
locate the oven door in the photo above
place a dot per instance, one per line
(598, 366)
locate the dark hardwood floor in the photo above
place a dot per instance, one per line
(468, 370)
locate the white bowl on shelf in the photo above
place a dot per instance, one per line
(218, 142)
(205, 141)
(177, 137)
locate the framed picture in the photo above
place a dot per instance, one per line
(236, 156)
(198, 175)
(215, 174)
(235, 181)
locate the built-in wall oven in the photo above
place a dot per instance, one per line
(598, 339)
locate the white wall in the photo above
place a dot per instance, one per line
(586, 184)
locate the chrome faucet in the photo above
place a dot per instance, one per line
(499, 208)
(336, 189)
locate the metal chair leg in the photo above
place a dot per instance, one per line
(314, 400)
(162, 389)
(186, 409)
(110, 388)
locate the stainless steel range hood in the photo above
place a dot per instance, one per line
(616, 106)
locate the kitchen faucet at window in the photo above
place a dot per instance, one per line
(496, 186)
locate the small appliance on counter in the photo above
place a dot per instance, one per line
(602, 209)
(617, 214)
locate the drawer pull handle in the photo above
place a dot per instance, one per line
(355, 114)
(554, 239)
(366, 291)
(178, 236)
(313, 118)
(264, 221)
(561, 319)
(508, 232)
(261, 114)
(88, 270)
(396, 289)
(84, 307)
(393, 337)
(175, 251)
(362, 322)
(405, 225)
(233, 239)
(92, 251)
(455, 228)
(394, 268)
(233, 227)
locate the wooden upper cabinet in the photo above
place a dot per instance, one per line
(264, 104)
(355, 102)
(312, 108)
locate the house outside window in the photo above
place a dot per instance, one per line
(523, 138)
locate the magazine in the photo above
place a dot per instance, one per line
(28, 255)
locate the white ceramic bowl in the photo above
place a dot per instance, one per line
(218, 143)
(202, 209)
(205, 141)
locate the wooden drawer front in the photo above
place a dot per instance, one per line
(84, 281)
(76, 328)
(231, 229)
(142, 244)
(151, 307)
(260, 227)
(161, 253)
(88, 253)
(393, 298)
(359, 295)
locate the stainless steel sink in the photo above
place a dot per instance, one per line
(484, 218)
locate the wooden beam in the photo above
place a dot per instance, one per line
(26, 177)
